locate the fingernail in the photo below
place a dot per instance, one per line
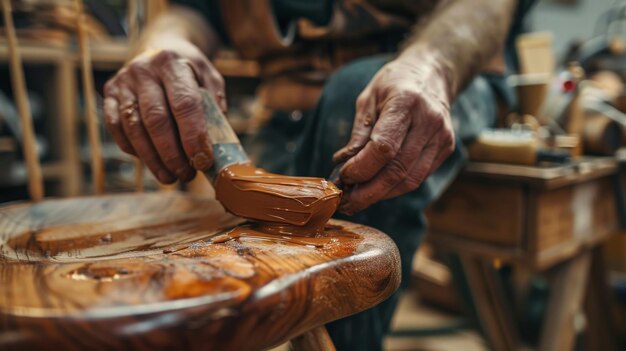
(201, 161)
(346, 179)
(338, 157)
(346, 153)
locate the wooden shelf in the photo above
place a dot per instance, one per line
(104, 53)
(53, 170)
(548, 177)
(229, 64)
(112, 54)
(34, 52)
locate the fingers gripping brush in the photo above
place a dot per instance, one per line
(284, 204)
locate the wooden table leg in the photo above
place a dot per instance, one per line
(314, 340)
(601, 333)
(494, 311)
(568, 284)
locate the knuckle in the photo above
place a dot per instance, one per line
(450, 143)
(446, 139)
(163, 57)
(411, 184)
(193, 142)
(201, 62)
(190, 141)
(111, 123)
(385, 147)
(353, 147)
(198, 62)
(155, 118)
(449, 150)
(139, 68)
(133, 128)
(185, 103)
(218, 79)
(420, 140)
(395, 174)
(437, 122)
(110, 87)
(409, 97)
(361, 102)
(415, 180)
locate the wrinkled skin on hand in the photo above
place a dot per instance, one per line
(153, 109)
(401, 134)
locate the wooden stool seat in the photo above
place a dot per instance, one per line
(145, 271)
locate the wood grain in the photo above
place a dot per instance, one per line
(139, 271)
(480, 210)
(569, 283)
(599, 306)
(543, 177)
(575, 213)
(494, 313)
(529, 215)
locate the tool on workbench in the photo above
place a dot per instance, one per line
(514, 147)
(548, 126)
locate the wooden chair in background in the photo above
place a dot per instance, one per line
(153, 271)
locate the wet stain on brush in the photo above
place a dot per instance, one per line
(298, 206)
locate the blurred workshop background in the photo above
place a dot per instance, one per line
(571, 106)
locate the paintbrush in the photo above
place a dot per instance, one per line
(300, 205)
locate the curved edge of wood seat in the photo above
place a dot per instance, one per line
(243, 294)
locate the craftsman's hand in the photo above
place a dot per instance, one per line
(153, 109)
(402, 132)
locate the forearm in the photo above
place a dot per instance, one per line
(179, 23)
(460, 38)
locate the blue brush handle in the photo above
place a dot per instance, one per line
(226, 145)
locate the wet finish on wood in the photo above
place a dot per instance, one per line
(144, 272)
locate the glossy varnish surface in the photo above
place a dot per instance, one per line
(287, 205)
(171, 271)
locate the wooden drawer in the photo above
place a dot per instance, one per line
(491, 213)
(518, 216)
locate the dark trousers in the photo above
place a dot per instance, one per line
(303, 142)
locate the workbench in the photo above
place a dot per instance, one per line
(548, 221)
